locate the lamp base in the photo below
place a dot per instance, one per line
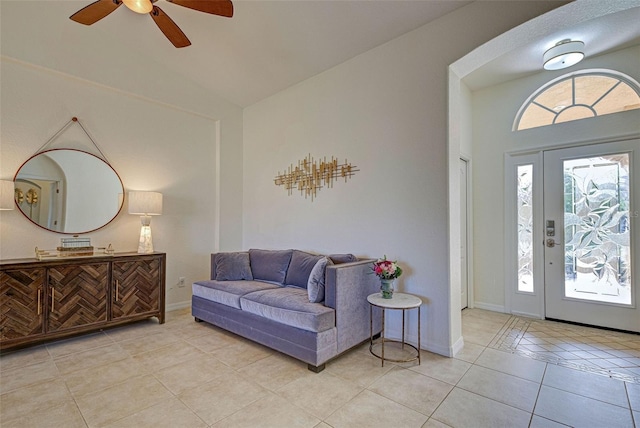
(145, 244)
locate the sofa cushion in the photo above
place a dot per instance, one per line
(228, 292)
(300, 268)
(315, 284)
(270, 265)
(233, 266)
(342, 258)
(290, 306)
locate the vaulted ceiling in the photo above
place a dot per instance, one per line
(266, 47)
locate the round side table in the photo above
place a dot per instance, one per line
(400, 301)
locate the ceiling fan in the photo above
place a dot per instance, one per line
(101, 8)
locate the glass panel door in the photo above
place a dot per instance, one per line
(591, 234)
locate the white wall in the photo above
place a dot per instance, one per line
(152, 144)
(384, 111)
(492, 137)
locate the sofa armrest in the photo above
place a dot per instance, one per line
(346, 289)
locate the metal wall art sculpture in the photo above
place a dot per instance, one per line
(311, 175)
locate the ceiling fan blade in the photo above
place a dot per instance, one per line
(169, 28)
(95, 11)
(215, 7)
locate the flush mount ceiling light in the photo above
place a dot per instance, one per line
(564, 54)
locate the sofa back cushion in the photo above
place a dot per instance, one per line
(338, 259)
(300, 268)
(232, 267)
(270, 265)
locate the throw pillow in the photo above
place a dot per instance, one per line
(300, 268)
(233, 267)
(315, 285)
(270, 265)
(342, 258)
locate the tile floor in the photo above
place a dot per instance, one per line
(187, 374)
(608, 353)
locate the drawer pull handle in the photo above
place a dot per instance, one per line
(53, 298)
(117, 290)
(39, 301)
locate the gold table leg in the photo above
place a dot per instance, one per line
(419, 335)
(382, 337)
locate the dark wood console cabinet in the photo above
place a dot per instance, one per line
(51, 299)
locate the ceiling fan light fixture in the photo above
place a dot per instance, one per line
(101, 8)
(139, 6)
(564, 54)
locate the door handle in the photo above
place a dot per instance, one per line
(551, 243)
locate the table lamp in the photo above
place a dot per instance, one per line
(145, 204)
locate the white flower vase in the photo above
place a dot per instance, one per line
(386, 288)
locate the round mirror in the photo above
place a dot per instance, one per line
(68, 191)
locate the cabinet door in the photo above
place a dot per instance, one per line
(77, 295)
(21, 300)
(136, 287)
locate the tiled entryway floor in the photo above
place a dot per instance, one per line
(608, 353)
(187, 374)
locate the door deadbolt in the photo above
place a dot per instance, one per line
(551, 228)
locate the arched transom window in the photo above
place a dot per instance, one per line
(579, 95)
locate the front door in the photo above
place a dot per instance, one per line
(592, 234)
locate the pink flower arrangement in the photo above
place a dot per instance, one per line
(386, 269)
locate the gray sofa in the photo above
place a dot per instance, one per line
(308, 306)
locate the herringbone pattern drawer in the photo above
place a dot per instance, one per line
(20, 294)
(79, 295)
(137, 287)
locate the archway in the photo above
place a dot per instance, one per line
(551, 26)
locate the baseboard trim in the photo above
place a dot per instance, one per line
(527, 315)
(445, 351)
(489, 307)
(457, 347)
(179, 305)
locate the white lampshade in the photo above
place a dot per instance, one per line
(139, 6)
(145, 203)
(564, 54)
(6, 195)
